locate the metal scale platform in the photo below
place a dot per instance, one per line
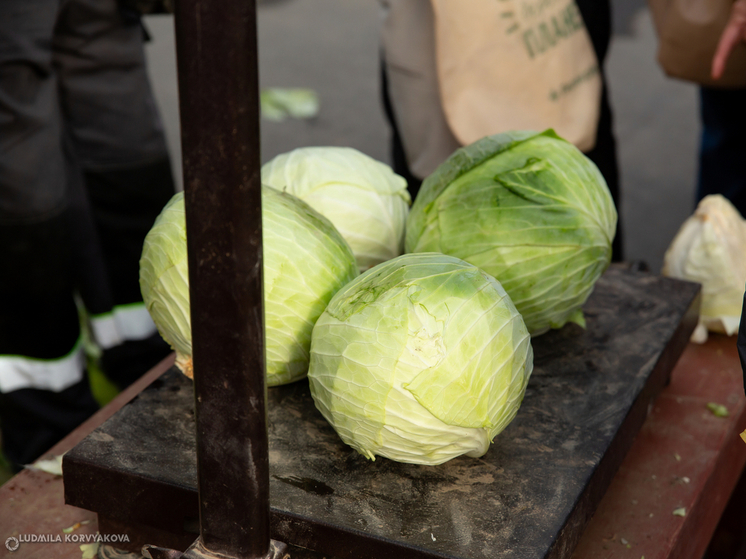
(529, 496)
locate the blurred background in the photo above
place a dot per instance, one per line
(332, 47)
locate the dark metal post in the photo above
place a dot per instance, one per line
(219, 105)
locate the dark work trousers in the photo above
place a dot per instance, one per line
(84, 171)
(722, 145)
(741, 342)
(721, 171)
(597, 16)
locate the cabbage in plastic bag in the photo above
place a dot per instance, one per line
(710, 248)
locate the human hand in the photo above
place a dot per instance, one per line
(734, 32)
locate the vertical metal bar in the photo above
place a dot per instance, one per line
(219, 105)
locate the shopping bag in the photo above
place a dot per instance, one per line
(517, 65)
(688, 34)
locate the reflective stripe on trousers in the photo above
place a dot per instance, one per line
(124, 323)
(18, 372)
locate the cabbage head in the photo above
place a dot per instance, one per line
(710, 248)
(365, 200)
(421, 359)
(529, 209)
(306, 261)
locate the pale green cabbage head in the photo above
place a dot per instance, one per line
(529, 209)
(421, 359)
(364, 199)
(306, 261)
(710, 248)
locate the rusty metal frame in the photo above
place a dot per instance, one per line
(216, 45)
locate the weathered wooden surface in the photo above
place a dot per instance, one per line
(530, 496)
(684, 459)
(32, 502)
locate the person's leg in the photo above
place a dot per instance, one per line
(741, 342)
(120, 145)
(604, 156)
(597, 17)
(722, 145)
(41, 358)
(398, 156)
(35, 420)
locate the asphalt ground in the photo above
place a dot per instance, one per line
(332, 46)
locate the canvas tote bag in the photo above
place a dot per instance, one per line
(688, 34)
(517, 65)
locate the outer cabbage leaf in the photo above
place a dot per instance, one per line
(529, 209)
(365, 200)
(278, 103)
(421, 359)
(164, 279)
(710, 248)
(306, 261)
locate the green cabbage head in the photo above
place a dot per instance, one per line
(421, 359)
(529, 209)
(306, 261)
(365, 200)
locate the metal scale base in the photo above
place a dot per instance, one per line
(529, 496)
